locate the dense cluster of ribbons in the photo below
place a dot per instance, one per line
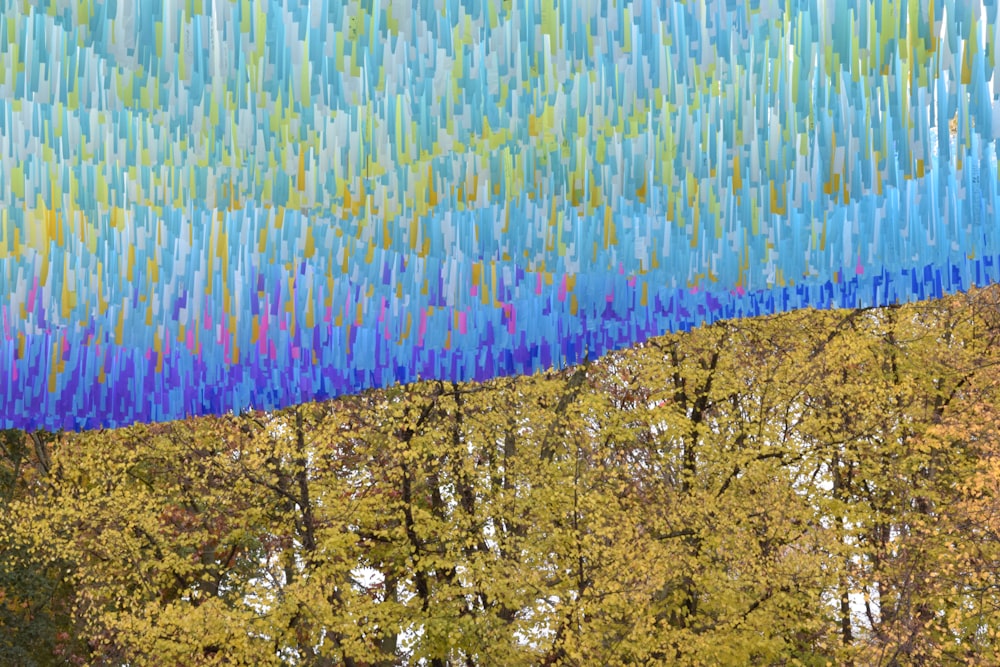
(212, 205)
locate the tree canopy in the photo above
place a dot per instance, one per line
(819, 487)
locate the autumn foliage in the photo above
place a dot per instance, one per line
(820, 487)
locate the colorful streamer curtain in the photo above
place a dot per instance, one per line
(215, 205)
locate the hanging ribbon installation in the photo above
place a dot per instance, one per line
(215, 205)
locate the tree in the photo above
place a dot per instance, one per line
(811, 488)
(36, 623)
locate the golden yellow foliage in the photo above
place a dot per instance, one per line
(821, 487)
